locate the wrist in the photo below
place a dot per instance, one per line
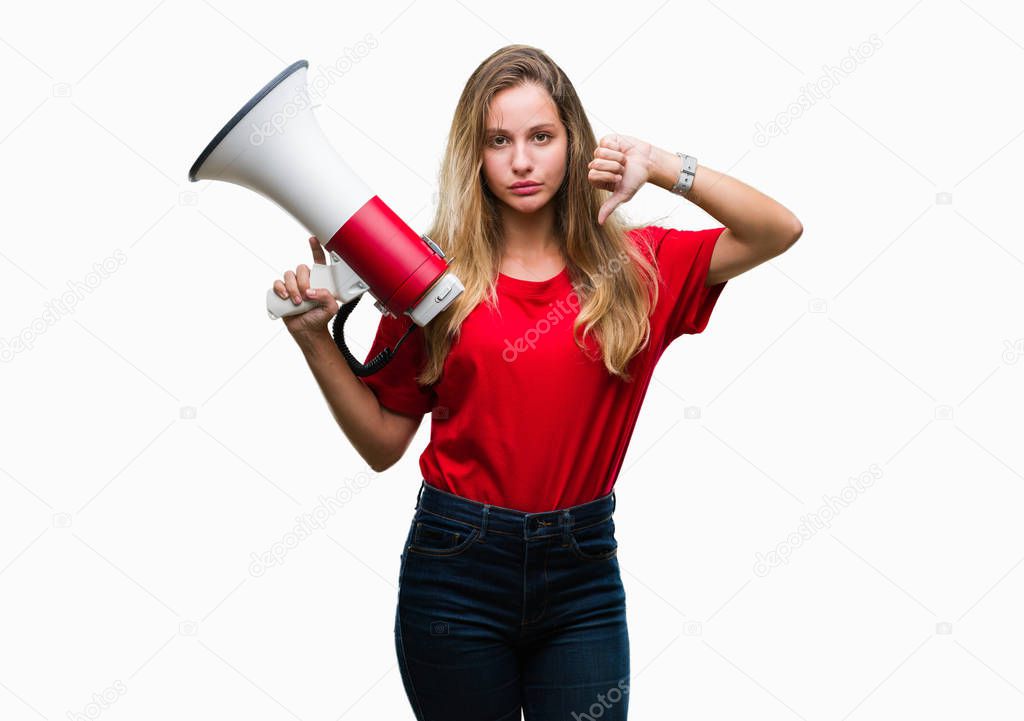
(311, 342)
(665, 168)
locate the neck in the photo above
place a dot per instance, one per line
(530, 236)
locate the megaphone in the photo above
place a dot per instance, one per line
(275, 147)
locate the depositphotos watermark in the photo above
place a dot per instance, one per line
(604, 702)
(315, 89)
(1013, 350)
(812, 523)
(63, 305)
(816, 90)
(100, 702)
(308, 523)
(559, 311)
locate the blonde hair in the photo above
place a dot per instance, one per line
(614, 306)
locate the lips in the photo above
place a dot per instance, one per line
(525, 184)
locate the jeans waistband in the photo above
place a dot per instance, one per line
(510, 522)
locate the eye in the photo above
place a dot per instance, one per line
(494, 141)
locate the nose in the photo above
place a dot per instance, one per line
(522, 163)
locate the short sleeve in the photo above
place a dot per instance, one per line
(395, 384)
(684, 258)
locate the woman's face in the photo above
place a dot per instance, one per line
(525, 142)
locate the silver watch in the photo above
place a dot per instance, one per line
(686, 173)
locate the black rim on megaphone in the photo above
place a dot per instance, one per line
(374, 364)
(237, 117)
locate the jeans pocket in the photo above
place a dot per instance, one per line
(434, 535)
(596, 542)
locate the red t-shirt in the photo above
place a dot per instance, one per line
(521, 418)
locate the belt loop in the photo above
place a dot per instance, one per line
(613, 501)
(566, 525)
(418, 495)
(483, 522)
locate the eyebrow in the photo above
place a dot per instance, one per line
(535, 127)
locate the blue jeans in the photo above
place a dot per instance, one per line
(502, 611)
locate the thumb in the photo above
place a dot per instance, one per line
(607, 207)
(325, 298)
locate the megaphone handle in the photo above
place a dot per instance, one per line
(278, 307)
(320, 276)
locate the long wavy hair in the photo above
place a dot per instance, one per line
(615, 283)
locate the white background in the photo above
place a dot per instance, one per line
(888, 338)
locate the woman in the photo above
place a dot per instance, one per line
(510, 597)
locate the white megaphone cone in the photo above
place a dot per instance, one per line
(275, 147)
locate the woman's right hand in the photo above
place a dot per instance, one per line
(296, 286)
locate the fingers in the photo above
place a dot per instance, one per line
(603, 179)
(609, 154)
(280, 289)
(609, 166)
(302, 278)
(611, 142)
(290, 287)
(295, 285)
(318, 251)
(606, 169)
(612, 166)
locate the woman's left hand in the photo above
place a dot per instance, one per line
(621, 165)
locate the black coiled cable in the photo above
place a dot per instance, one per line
(374, 364)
